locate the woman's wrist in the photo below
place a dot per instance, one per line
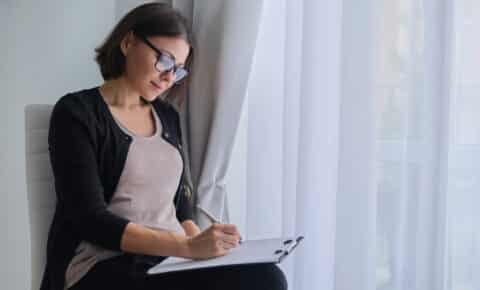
(184, 247)
(170, 243)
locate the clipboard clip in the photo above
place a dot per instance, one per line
(289, 246)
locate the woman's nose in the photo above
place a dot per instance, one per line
(168, 76)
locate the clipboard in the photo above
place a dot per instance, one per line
(248, 252)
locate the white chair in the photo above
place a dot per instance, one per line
(40, 186)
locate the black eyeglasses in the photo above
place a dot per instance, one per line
(166, 61)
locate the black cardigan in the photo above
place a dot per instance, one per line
(87, 153)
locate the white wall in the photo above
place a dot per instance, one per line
(4, 20)
(46, 51)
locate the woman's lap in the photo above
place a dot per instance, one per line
(123, 273)
(266, 276)
(114, 273)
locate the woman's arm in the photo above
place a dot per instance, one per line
(217, 240)
(80, 192)
(143, 240)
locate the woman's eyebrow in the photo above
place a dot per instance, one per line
(167, 52)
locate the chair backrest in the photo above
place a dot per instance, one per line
(40, 186)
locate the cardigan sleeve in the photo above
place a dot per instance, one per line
(79, 190)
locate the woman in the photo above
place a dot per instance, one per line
(124, 203)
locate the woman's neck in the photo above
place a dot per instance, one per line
(118, 93)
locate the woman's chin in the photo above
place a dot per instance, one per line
(150, 98)
(152, 95)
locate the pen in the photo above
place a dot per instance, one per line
(209, 215)
(213, 219)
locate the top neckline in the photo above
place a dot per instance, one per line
(158, 124)
(135, 135)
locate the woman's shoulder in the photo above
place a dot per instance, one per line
(80, 102)
(80, 97)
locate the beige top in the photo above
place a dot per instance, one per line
(144, 195)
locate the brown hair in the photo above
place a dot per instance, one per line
(151, 19)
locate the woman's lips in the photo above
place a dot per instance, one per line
(157, 86)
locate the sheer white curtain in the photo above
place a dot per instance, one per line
(413, 81)
(311, 140)
(361, 135)
(464, 151)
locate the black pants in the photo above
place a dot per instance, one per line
(129, 272)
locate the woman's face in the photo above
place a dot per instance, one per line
(140, 71)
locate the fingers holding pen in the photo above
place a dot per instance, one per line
(229, 229)
(230, 232)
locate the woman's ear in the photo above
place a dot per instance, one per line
(127, 42)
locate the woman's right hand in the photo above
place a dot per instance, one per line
(215, 241)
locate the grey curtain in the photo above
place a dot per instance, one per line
(225, 42)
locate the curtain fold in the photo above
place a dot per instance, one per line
(225, 42)
(318, 152)
(413, 99)
(356, 206)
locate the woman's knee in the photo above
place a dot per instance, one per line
(270, 276)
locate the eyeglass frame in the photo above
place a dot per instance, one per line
(161, 52)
